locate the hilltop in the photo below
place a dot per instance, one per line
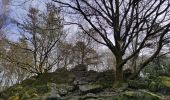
(80, 84)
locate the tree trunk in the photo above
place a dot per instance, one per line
(134, 64)
(119, 73)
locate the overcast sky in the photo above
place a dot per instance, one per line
(17, 10)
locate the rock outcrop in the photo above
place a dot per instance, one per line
(80, 84)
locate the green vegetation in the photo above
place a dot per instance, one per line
(36, 88)
(165, 80)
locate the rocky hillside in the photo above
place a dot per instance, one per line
(80, 84)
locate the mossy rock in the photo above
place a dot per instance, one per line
(161, 83)
(134, 95)
(55, 77)
(34, 95)
(14, 98)
(36, 86)
(129, 93)
(41, 86)
(153, 84)
(42, 89)
(89, 96)
(165, 81)
(106, 79)
(67, 87)
(150, 96)
(14, 91)
(138, 84)
(138, 95)
(24, 93)
(90, 88)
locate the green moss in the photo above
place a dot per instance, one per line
(138, 84)
(37, 87)
(24, 96)
(29, 95)
(42, 89)
(129, 93)
(27, 82)
(136, 95)
(150, 96)
(37, 84)
(49, 78)
(106, 98)
(165, 81)
(34, 95)
(153, 86)
(14, 98)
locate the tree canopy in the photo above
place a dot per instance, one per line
(126, 21)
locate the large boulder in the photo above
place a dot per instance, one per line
(80, 74)
(89, 96)
(53, 89)
(90, 88)
(79, 68)
(106, 78)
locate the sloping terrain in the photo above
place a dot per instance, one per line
(79, 84)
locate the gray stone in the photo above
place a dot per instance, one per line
(66, 87)
(53, 89)
(92, 88)
(74, 98)
(53, 98)
(91, 95)
(91, 99)
(80, 82)
(62, 92)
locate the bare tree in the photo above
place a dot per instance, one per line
(85, 49)
(83, 54)
(71, 55)
(14, 61)
(125, 21)
(42, 31)
(64, 54)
